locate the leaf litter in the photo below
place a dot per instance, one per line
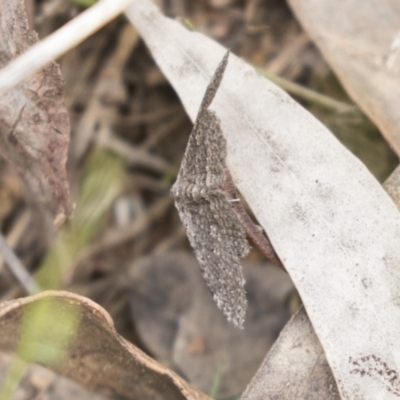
(264, 34)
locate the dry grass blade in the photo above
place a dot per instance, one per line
(308, 94)
(66, 38)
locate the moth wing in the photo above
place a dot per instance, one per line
(204, 159)
(215, 150)
(194, 164)
(230, 228)
(216, 250)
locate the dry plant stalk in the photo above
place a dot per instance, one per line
(64, 39)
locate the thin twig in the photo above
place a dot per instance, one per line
(141, 181)
(134, 155)
(58, 43)
(78, 86)
(288, 54)
(308, 94)
(16, 232)
(108, 94)
(149, 117)
(117, 236)
(162, 131)
(17, 268)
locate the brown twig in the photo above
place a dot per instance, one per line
(117, 236)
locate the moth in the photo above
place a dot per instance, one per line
(212, 226)
(216, 223)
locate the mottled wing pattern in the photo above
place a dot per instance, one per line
(194, 164)
(216, 150)
(193, 168)
(212, 226)
(216, 254)
(216, 175)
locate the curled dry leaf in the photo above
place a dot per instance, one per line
(96, 356)
(360, 40)
(296, 366)
(332, 225)
(34, 124)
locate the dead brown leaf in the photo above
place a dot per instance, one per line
(34, 124)
(97, 357)
(360, 40)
